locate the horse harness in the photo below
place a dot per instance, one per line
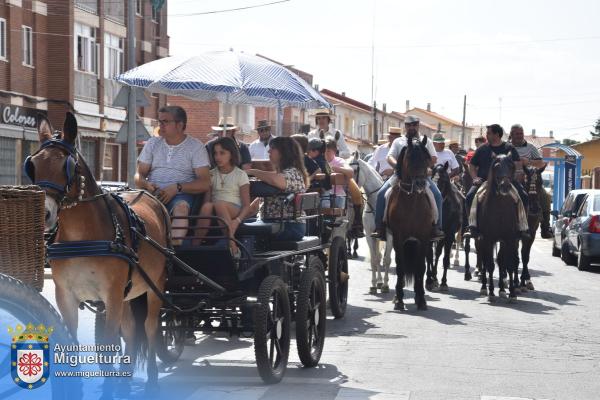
(91, 248)
(365, 197)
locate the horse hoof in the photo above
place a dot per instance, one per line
(379, 285)
(429, 286)
(521, 289)
(468, 276)
(444, 288)
(456, 263)
(502, 294)
(372, 290)
(399, 306)
(483, 292)
(530, 285)
(491, 298)
(385, 289)
(436, 283)
(422, 306)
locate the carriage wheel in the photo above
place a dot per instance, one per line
(338, 277)
(311, 315)
(171, 337)
(23, 304)
(272, 329)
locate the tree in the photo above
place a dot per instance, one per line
(570, 142)
(596, 133)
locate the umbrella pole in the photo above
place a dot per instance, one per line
(278, 130)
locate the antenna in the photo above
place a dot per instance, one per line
(373, 54)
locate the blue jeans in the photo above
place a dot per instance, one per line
(293, 231)
(380, 206)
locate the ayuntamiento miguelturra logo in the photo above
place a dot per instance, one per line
(30, 355)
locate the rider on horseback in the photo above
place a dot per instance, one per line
(412, 131)
(479, 168)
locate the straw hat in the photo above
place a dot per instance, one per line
(262, 125)
(394, 130)
(223, 126)
(324, 112)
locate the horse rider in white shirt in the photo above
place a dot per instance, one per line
(379, 158)
(259, 149)
(323, 120)
(445, 155)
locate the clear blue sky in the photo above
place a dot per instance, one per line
(426, 51)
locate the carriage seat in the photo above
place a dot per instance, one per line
(258, 228)
(306, 243)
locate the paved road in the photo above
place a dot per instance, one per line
(546, 346)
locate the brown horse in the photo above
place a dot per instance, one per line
(409, 217)
(535, 190)
(497, 222)
(81, 212)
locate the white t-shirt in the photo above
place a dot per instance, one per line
(447, 155)
(226, 187)
(401, 143)
(258, 150)
(379, 158)
(173, 164)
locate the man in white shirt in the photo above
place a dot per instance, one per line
(379, 158)
(323, 119)
(411, 124)
(445, 155)
(259, 149)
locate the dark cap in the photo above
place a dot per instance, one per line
(316, 144)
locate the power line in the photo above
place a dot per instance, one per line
(229, 9)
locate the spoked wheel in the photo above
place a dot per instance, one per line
(311, 315)
(338, 277)
(171, 337)
(272, 329)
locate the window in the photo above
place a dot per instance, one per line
(597, 203)
(155, 14)
(139, 7)
(88, 151)
(2, 38)
(8, 169)
(27, 46)
(86, 49)
(583, 210)
(113, 56)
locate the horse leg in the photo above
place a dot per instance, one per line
(151, 329)
(399, 301)
(387, 261)
(484, 250)
(114, 315)
(128, 333)
(69, 308)
(374, 251)
(439, 246)
(490, 271)
(525, 256)
(449, 240)
(429, 269)
(355, 254)
(467, 247)
(512, 263)
(419, 278)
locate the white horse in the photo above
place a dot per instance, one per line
(369, 179)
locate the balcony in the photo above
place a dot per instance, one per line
(111, 90)
(115, 11)
(86, 86)
(90, 6)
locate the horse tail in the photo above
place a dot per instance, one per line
(139, 309)
(412, 257)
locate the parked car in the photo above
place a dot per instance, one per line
(562, 219)
(583, 232)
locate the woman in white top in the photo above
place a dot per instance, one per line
(229, 194)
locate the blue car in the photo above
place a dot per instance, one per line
(582, 234)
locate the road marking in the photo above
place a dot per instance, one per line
(348, 393)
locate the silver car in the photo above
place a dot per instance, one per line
(582, 234)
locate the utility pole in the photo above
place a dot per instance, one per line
(131, 107)
(462, 136)
(375, 136)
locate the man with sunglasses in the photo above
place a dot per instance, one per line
(174, 166)
(411, 124)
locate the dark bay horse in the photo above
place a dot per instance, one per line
(409, 217)
(535, 190)
(497, 222)
(452, 221)
(82, 213)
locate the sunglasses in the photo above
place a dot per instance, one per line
(165, 121)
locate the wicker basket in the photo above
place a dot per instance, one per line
(22, 247)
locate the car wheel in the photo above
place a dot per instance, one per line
(566, 256)
(583, 261)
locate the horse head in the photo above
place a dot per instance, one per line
(57, 167)
(534, 187)
(440, 176)
(366, 176)
(502, 173)
(413, 162)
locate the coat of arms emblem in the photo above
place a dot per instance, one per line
(30, 355)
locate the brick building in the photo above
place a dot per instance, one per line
(69, 64)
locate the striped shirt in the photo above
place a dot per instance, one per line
(528, 150)
(173, 164)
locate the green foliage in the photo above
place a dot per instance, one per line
(570, 142)
(596, 133)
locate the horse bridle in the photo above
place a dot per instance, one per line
(366, 195)
(71, 170)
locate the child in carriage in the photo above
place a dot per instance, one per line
(229, 193)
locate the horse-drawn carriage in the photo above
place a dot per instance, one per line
(272, 284)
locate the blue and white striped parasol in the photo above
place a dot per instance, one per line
(226, 76)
